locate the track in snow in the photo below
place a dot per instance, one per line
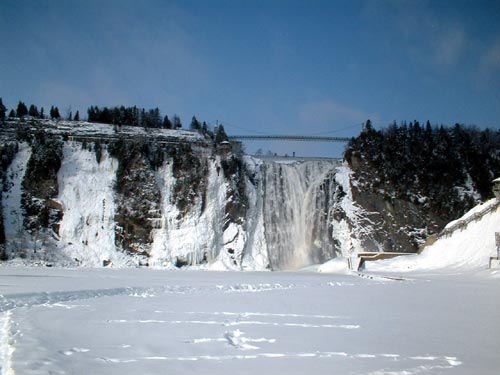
(211, 323)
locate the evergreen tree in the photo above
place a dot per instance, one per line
(156, 117)
(91, 114)
(220, 134)
(414, 161)
(54, 113)
(117, 115)
(204, 129)
(142, 117)
(22, 110)
(70, 116)
(42, 114)
(195, 124)
(177, 122)
(105, 116)
(3, 109)
(77, 116)
(368, 125)
(135, 115)
(167, 124)
(151, 118)
(12, 114)
(33, 111)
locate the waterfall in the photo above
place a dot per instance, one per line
(298, 207)
(278, 215)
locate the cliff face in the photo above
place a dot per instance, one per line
(79, 194)
(174, 200)
(7, 153)
(396, 222)
(413, 179)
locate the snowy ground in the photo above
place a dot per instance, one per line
(143, 321)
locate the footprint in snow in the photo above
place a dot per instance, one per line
(75, 350)
(236, 339)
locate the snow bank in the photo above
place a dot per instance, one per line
(337, 265)
(464, 250)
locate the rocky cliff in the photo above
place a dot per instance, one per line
(87, 194)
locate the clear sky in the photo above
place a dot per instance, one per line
(273, 66)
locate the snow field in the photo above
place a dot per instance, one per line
(6, 347)
(112, 321)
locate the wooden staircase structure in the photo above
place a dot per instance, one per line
(355, 263)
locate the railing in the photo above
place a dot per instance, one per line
(462, 224)
(459, 224)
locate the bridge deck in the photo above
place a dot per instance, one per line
(283, 158)
(300, 138)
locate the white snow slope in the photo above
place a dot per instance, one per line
(143, 321)
(466, 249)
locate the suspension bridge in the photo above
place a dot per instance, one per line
(290, 138)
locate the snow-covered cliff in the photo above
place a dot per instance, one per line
(130, 201)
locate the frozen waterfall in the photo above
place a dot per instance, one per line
(299, 204)
(287, 214)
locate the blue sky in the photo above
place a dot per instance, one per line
(274, 66)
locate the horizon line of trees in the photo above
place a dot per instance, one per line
(118, 115)
(22, 111)
(140, 117)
